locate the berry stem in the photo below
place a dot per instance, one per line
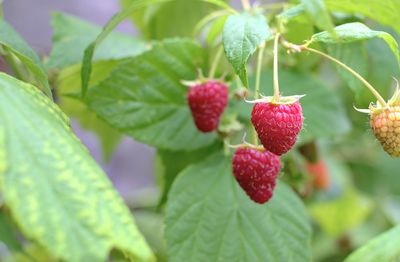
(215, 62)
(258, 72)
(276, 76)
(258, 79)
(246, 4)
(300, 48)
(357, 75)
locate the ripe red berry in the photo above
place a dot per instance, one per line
(256, 171)
(207, 102)
(277, 125)
(320, 174)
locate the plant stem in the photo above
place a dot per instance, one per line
(357, 75)
(246, 4)
(257, 85)
(215, 62)
(276, 76)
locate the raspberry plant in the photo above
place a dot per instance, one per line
(263, 157)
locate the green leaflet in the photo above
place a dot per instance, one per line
(351, 32)
(17, 46)
(210, 218)
(241, 36)
(57, 194)
(144, 98)
(71, 35)
(319, 14)
(384, 247)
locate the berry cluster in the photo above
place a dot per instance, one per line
(277, 124)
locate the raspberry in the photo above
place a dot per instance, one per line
(385, 124)
(256, 171)
(207, 102)
(319, 172)
(277, 125)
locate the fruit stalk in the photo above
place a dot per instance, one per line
(357, 75)
(214, 65)
(276, 77)
(258, 79)
(300, 48)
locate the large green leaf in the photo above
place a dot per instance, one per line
(241, 36)
(319, 14)
(210, 218)
(351, 32)
(321, 106)
(57, 194)
(386, 12)
(71, 35)
(144, 98)
(384, 247)
(173, 162)
(13, 42)
(68, 82)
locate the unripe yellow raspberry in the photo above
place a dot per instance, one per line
(385, 124)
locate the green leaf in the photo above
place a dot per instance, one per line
(351, 32)
(143, 97)
(210, 218)
(384, 247)
(385, 12)
(241, 36)
(71, 36)
(111, 24)
(338, 216)
(72, 209)
(319, 14)
(68, 82)
(165, 20)
(13, 42)
(321, 105)
(174, 162)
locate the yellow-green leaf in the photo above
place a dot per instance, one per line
(57, 194)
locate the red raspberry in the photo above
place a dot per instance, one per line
(319, 172)
(277, 125)
(207, 102)
(256, 172)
